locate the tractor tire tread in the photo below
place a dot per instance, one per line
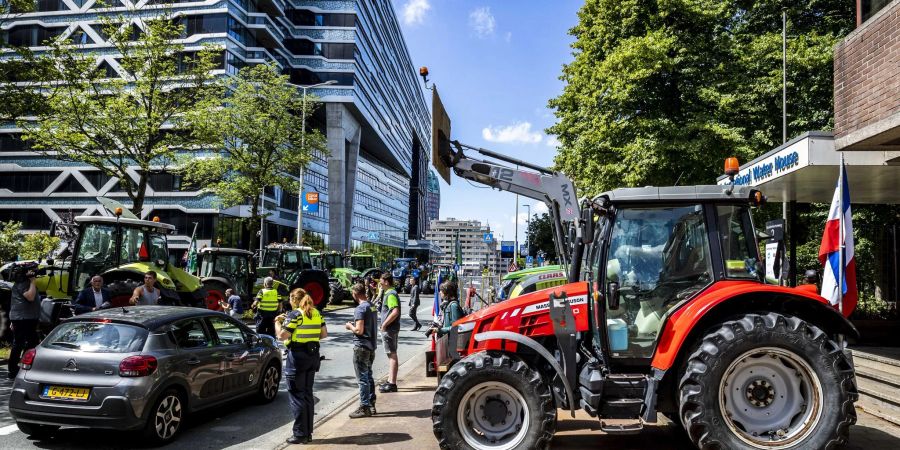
(705, 429)
(486, 364)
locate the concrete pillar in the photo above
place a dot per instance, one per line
(343, 135)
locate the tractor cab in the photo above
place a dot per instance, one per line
(361, 262)
(293, 267)
(226, 268)
(443, 272)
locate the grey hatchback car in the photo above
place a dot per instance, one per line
(141, 368)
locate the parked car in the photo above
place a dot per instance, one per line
(141, 368)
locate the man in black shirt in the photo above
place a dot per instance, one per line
(364, 343)
(24, 311)
(414, 302)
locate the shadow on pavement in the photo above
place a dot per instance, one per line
(418, 413)
(365, 439)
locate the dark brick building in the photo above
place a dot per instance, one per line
(867, 80)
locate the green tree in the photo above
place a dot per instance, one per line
(38, 245)
(659, 93)
(115, 124)
(10, 241)
(261, 130)
(540, 236)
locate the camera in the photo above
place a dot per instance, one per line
(22, 271)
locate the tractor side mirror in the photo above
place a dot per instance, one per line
(587, 225)
(612, 295)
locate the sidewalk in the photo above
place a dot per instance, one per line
(404, 422)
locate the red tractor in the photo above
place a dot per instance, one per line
(665, 312)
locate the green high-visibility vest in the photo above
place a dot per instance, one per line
(306, 329)
(268, 300)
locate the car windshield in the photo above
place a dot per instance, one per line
(97, 337)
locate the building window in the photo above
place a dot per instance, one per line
(31, 219)
(13, 143)
(27, 181)
(31, 35)
(304, 76)
(869, 8)
(308, 18)
(305, 47)
(184, 222)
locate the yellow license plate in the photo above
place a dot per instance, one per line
(68, 393)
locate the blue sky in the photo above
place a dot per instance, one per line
(495, 64)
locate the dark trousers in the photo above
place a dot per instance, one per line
(25, 336)
(300, 373)
(265, 322)
(412, 315)
(362, 364)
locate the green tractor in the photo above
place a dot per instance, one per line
(340, 278)
(444, 271)
(293, 266)
(222, 268)
(364, 263)
(121, 250)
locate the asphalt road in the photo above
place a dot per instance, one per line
(242, 424)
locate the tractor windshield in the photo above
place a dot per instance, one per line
(96, 252)
(738, 245)
(361, 263)
(141, 244)
(230, 267)
(333, 261)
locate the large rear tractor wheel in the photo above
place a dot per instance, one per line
(215, 293)
(337, 293)
(121, 292)
(315, 283)
(493, 402)
(768, 382)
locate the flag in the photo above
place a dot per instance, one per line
(191, 256)
(830, 250)
(436, 306)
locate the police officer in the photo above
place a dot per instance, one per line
(266, 304)
(303, 327)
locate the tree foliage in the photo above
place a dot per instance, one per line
(540, 236)
(10, 241)
(115, 124)
(660, 92)
(38, 245)
(262, 131)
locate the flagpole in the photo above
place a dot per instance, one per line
(840, 280)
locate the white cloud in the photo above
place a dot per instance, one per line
(482, 22)
(540, 208)
(414, 11)
(523, 218)
(508, 36)
(552, 141)
(517, 133)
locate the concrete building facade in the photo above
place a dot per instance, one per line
(476, 251)
(371, 182)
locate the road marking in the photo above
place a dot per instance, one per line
(9, 429)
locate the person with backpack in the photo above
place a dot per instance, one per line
(451, 311)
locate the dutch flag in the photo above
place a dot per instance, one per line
(830, 251)
(436, 306)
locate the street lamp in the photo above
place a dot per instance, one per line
(528, 232)
(303, 147)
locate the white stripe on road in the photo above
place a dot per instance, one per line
(9, 429)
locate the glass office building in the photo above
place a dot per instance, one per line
(372, 183)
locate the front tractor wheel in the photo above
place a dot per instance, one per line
(493, 402)
(768, 382)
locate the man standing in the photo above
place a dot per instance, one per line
(24, 311)
(93, 297)
(364, 343)
(266, 305)
(390, 329)
(414, 303)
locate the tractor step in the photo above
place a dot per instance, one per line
(621, 426)
(621, 408)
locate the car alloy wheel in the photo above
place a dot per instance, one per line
(168, 417)
(270, 383)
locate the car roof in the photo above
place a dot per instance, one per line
(150, 317)
(668, 194)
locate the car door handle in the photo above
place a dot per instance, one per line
(193, 361)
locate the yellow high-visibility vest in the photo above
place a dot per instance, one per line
(306, 329)
(268, 300)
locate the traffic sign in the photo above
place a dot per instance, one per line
(488, 237)
(311, 202)
(456, 267)
(529, 261)
(373, 236)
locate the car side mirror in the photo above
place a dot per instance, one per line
(587, 225)
(612, 295)
(252, 340)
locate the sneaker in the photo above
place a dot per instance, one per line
(387, 387)
(362, 411)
